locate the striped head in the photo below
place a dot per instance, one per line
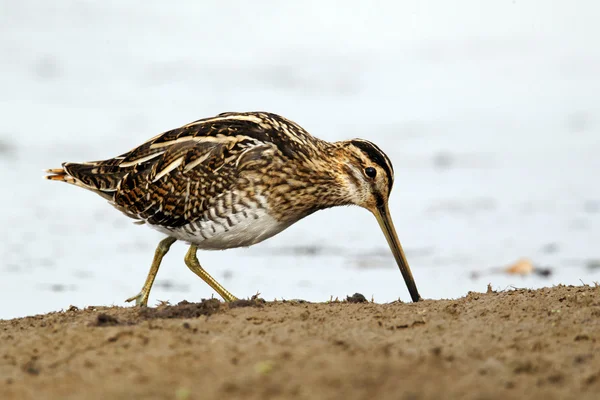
(368, 173)
(367, 178)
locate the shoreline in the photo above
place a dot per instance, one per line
(518, 343)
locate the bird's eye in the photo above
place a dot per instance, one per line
(371, 172)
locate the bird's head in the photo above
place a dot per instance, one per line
(367, 178)
(367, 172)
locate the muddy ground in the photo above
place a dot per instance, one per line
(537, 344)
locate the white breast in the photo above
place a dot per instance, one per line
(244, 228)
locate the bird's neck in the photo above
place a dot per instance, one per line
(317, 184)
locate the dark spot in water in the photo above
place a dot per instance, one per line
(579, 224)
(46, 68)
(309, 250)
(550, 248)
(170, 286)
(592, 206)
(593, 265)
(60, 287)
(443, 160)
(227, 275)
(8, 149)
(543, 271)
(12, 268)
(164, 284)
(578, 122)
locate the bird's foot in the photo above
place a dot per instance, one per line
(141, 300)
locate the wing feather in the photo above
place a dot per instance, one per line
(163, 193)
(172, 178)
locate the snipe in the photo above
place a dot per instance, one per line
(235, 180)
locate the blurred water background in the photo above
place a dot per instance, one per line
(489, 110)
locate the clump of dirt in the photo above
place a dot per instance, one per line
(254, 301)
(356, 298)
(31, 367)
(183, 309)
(103, 319)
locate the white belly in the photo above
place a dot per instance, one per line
(242, 229)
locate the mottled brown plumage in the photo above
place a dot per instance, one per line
(234, 180)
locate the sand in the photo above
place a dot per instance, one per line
(537, 344)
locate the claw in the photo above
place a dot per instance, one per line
(139, 300)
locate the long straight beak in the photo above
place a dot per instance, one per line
(382, 213)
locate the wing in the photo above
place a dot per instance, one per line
(174, 177)
(290, 138)
(188, 179)
(178, 184)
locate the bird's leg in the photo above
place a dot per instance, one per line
(192, 262)
(141, 299)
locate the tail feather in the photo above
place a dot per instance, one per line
(59, 174)
(85, 180)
